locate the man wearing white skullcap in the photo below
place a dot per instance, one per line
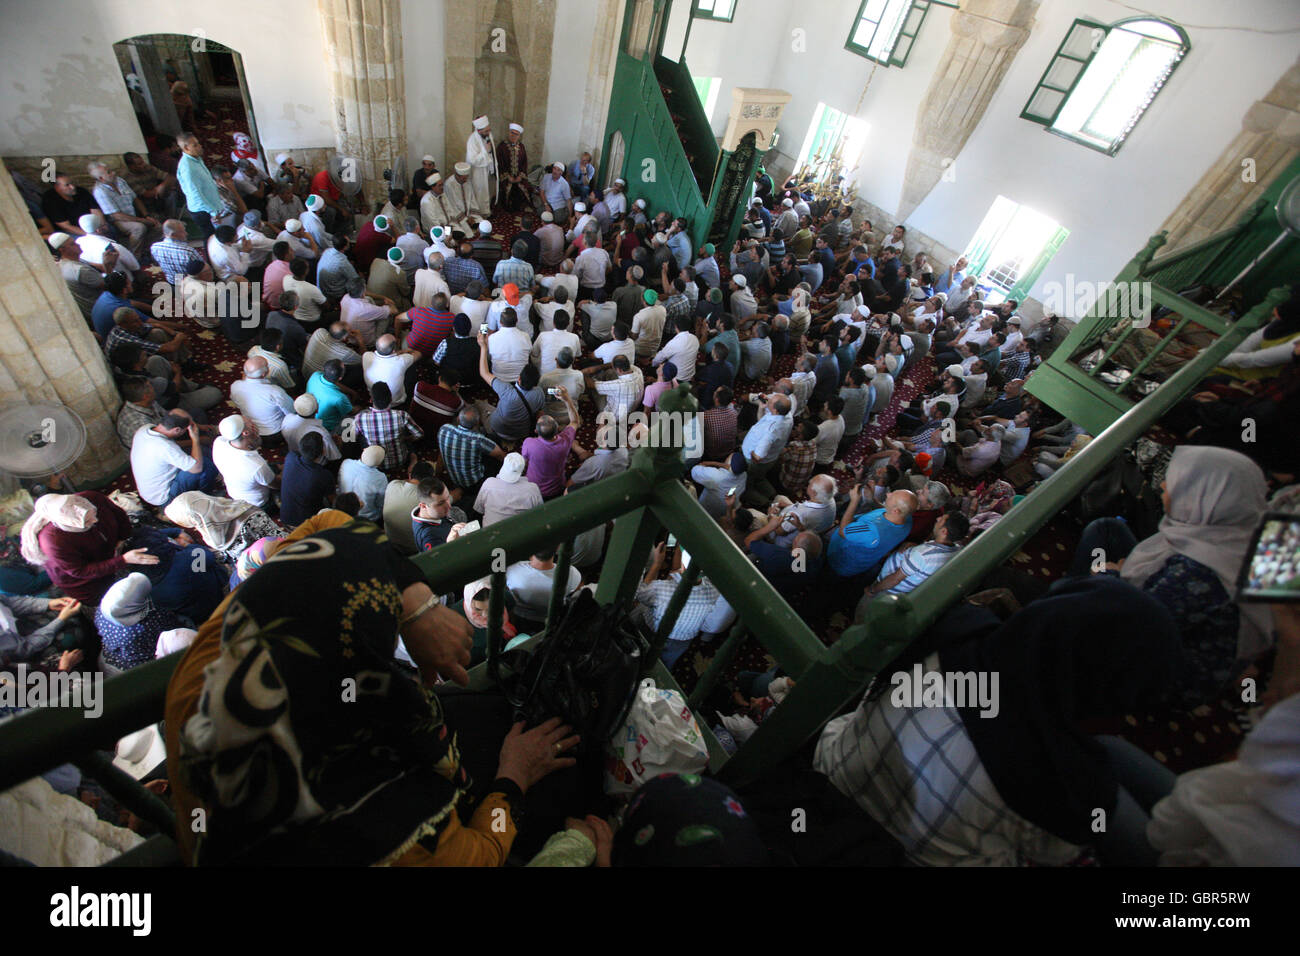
(638, 212)
(512, 166)
(557, 193)
(313, 222)
(584, 218)
(788, 221)
(616, 199)
(461, 198)
(246, 473)
(95, 241)
(387, 278)
(364, 479)
(303, 420)
(551, 237)
(481, 154)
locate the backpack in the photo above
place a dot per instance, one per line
(585, 671)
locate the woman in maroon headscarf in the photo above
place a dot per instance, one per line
(76, 538)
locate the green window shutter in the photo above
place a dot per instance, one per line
(1062, 75)
(907, 35)
(1030, 275)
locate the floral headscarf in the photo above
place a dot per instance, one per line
(290, 769)
(687, 820)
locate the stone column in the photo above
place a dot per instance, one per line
(363, 46)
(986, 35)
(47, 352)
(600, 77)
(1270, 137)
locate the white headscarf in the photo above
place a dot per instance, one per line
(217, 520)
(1216, 499)
(67, 512)
(127, 602)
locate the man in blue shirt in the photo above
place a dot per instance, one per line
(200, 189)
(679, 244)
(110, 300)
(860, 544)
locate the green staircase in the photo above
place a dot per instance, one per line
(658, 139)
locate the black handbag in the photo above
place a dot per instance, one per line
(585, 671)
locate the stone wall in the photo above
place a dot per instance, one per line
(47, 352)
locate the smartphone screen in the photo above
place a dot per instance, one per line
(483, 330)
(672, 541)
(1272, 568)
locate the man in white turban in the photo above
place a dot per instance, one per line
(512, 166)
(481, 154)
(464, 204)
(433, 207)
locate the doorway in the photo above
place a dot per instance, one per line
(216, 108)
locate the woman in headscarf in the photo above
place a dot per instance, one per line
(129, 624)
(1004, 776)
(1213, 501)
(289, 723)
(673, 820)
(244, 149)
(75, 538)
(253, 557)
(474, 608)
(224, 525)
(188, 579)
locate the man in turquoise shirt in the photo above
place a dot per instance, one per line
(332, 402)
(725, 332)
(859, 544)
(201, 196)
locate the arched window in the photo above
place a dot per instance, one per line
(1103, 78)
(614, 159)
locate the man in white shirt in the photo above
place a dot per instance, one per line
(557, 193)
(161, 469)
(509, 349)
(743, 303)
(566, 376)
(300, 240)
(303, 420)
(364, 479)
(682, 350)
(620, 344)
(530, 583)
(592, 267)
(831, 431)
(616, 198)
(561, 302)
(509, 297)
(246, 473)
(228, 253)
(816, 514)
(718, 480)
(548, 344)
(389, 365)
(310, 297)
(259, 243)
(509, 493)
(429, 282)
(412, 245)
(259, 401)
(473, 303)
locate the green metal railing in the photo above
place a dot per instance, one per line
(642, 502)
(1094, 396)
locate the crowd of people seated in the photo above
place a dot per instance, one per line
(411, 381)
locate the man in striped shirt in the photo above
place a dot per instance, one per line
(908, 567)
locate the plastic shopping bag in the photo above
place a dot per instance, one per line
(659, 736)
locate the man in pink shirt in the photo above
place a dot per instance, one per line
(548, 452)
(667, 379)
(363, 317)
(274, 276)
